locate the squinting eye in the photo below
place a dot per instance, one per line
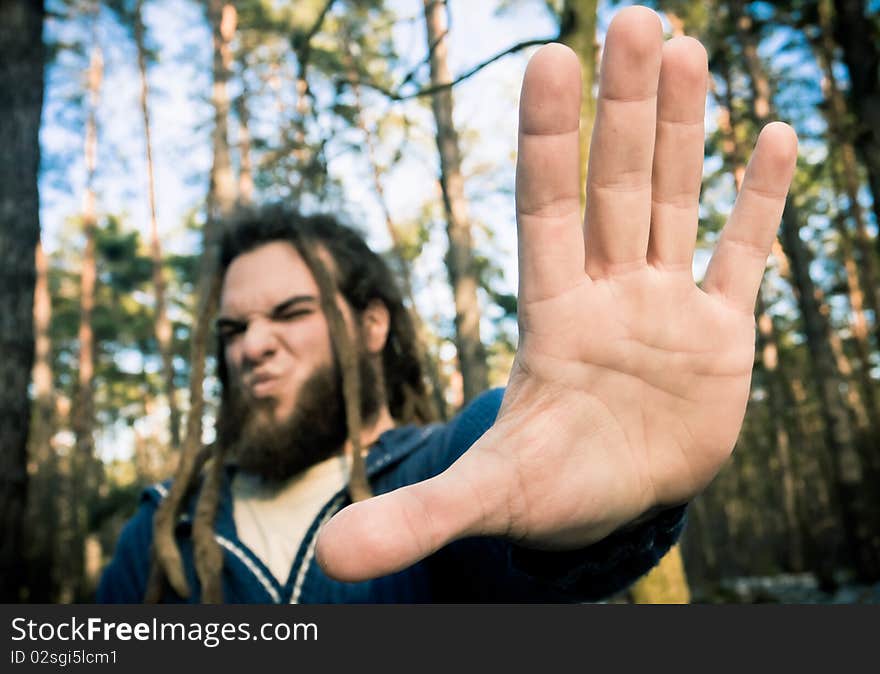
(291, 315)
(227, 333)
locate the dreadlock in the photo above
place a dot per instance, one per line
(360, 276)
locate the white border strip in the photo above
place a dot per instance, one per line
(254, 569)
(310, 552)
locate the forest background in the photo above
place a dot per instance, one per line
(130, 128)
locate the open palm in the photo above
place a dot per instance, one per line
(630, 383)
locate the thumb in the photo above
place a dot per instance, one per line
(390, 532)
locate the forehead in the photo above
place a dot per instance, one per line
(264, 277)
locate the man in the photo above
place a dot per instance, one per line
(626, 394)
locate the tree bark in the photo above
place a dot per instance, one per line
(858, 517)
(21, 99)
(845, 171)
(42, 502)
(859, 39)
(222, 194)
(846, 463)
(80, 474)
(768, 344)
(162, 325)
(245, 171)
(428, 361)
(578, 31)
(460, 264)
(42, 374)
(768, 347)
(220, 204)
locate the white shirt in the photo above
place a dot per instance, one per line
(272, 520)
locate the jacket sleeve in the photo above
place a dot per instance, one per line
(124, 581)
(589, 574)
(605, 567)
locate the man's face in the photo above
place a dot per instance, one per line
(283, 409)
(274, 333)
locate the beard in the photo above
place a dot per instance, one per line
(316, 429)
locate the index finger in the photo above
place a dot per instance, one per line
(551, 248)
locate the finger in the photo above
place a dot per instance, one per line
(619, 178)
(678, 154)
(737, 266)
(550, 239)
(390, 532)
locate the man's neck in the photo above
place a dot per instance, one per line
(382, 422)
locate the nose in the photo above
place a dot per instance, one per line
(258, 342)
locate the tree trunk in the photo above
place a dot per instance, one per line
(460, 264)
(858, 516)
(859, 38)
(162, 325)
(302, 44)
(300, 148)
(845, 171)
(846, 462)
(220, 204)
(826, 481)
(245, 172)
(44, 399)
(861, 419)
(80, 477)
(222, 194)
(768, 343)
(42, 503)
(428, 361)
(21, 99)
(578, 31)
(699, 521)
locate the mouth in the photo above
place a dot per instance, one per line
(262, 385)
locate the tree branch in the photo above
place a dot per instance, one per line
(302, 43)
(427, 91)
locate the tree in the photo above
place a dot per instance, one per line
(81, 478)
(163, 327)
(220, 204)
(463, 275)
(397, 244)
(577, 29)
(21, 98)
(858, 35)
(847, 463)
(863, 279)
(43, 488)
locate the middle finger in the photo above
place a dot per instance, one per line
(618, 208)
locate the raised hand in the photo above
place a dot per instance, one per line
(630, 382)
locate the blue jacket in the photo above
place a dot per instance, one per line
(478, 569)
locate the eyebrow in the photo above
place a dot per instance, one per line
(277, 310)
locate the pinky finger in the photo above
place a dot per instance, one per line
(738, 264)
